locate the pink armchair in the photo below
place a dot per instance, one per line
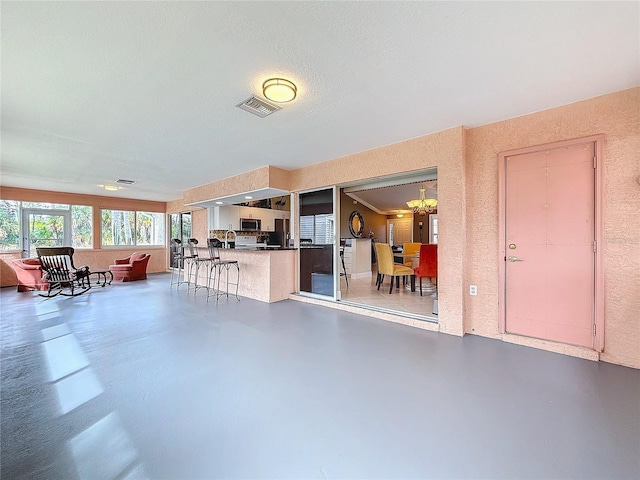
(131, 268)
(29, 273)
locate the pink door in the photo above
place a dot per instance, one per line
(549, 235)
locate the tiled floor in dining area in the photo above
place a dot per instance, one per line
(364, 291)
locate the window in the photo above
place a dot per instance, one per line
(9, 225)
(319, 228)
(120, 227)
(433, 228)
(81, 226)
(45, 206)
(149, 228)
(11, 213)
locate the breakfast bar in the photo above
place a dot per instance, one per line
(266, 274)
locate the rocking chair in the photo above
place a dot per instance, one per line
(63, 277)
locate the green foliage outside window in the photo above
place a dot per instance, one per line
(132, 228)
(118, 227)
(81, 226)
(9, 225)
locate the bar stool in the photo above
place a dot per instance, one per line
(216, 268)
(177, 272)
(194, 261)
(344, 269)
(213, 245)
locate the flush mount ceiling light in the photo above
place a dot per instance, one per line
(422, 206)
(111, 188)
(279, 90)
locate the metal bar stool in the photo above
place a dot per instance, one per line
(194, 265)
(216, 268)
(177, 265)
(344, 269)
(213, 246)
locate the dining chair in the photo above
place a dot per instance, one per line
(386, 266)
(428, 267)
(411, 248)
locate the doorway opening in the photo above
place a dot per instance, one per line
(381, 205)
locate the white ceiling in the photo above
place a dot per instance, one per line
(97, 91)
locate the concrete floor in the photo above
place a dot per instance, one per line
(141, 381)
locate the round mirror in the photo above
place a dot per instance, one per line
(356, 224)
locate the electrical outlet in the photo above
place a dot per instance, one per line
(473, 290)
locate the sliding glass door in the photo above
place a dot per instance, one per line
(181, 229)
(317, 234)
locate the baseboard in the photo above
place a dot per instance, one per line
(562, 348)
(360, 275)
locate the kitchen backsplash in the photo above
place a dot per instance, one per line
(219, 234)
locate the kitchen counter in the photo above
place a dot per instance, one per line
(260, 248)
(266, 274)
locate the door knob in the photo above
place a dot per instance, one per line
(514, 259)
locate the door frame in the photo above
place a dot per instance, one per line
(294, 225)
(26, 212)
(182, 235)
(598, 141)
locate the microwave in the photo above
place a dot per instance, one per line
(250, 224)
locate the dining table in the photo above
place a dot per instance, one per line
(399, 257)
(427, 285)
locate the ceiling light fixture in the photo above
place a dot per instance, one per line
(279, 90)
(422, 206)
(248, 197)
(111, 188)
(219, 203)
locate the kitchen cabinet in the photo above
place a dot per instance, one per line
(221, 217)
(269, 217)
(247, 212)
(357, 257)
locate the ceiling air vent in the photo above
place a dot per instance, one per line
(126, 182)
(258, 107)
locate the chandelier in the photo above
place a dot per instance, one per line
(422, 206)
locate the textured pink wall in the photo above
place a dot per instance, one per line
(467, 163)
(267, 176)
(200, 225)
(617, 116)
(444, 150)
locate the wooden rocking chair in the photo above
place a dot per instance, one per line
(63, 277)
